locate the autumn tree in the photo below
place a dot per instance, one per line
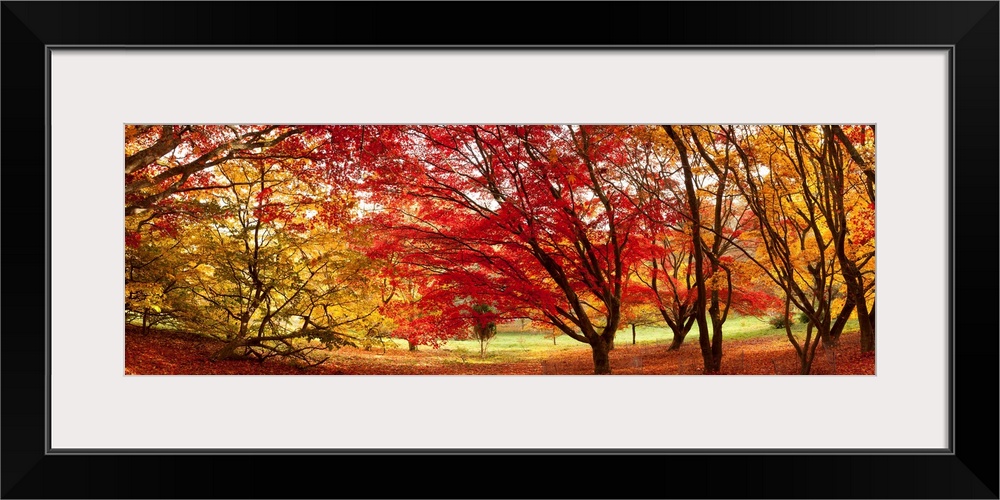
(533, 214)
(664, 260)
(161, 163)
(260, 216)
(784, 186)
(728, 220)
(710, 357)
(666, 273)
(638, 309)
(846, 162)
(265, 282)
(691, 213)
(421, 302)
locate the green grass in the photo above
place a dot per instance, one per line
(515, 345)
(520, 344)
(735, 328)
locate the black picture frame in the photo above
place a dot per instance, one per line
(968, 29)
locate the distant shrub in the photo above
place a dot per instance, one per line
(484, 330)
(778, 322)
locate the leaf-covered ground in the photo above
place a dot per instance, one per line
(163, 352)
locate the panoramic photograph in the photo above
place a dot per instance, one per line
(479, 249)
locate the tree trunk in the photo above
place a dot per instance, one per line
(855, 287)
(832, 338)
(679, 335)
(694, 206)
(611, 343)
(808, 354)
(805, 366)
(829, 341)
(633, 333)
(228, 351)
(716, 345)
(602, 363)
(716, 315)
(867, 328)
(706, 350)
(145, 320)
(411, 345)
